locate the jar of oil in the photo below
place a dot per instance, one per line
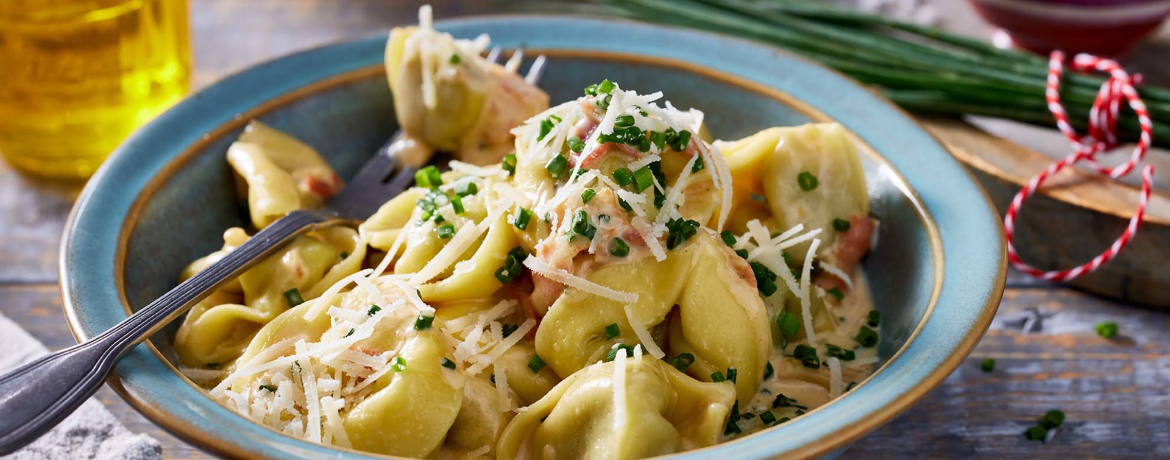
(77, 76)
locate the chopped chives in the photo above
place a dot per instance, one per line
(841, 225)
(807, 356)
(576, 144)
(699, 165)
(874, 319)
(619, 248)
(728, 238)
(836, 293)
(466, 188)
(612, 355)
(455, 58)
(612, 331)
(373, 309)
(851, 386)
(683, 361)
(768, 370)
(784, 401)
(1036, 433)
(293, 297)
(439, 219)
(587, 195)
(867, 337)
(582, 226)
(732, 373)
(987, 365)
(423, 322)
(1052, 419)
(625, 205)
(843, 354)
(344, 255)
(718, 377)
(512, 265)
(546, 125)
(623, 121)
(658, 139)
(1107, 329)
(742, 253)
(788, 323)
(679, 231)
(448, 363)
(605, 87)
(556, 166)
(445, 231)
(347, 334)
(509, 329)
(536, 364)
(399, 364)
(643, 179)
(522, 218)
(680, 142)
(457, 205)
(765, 279)
(767, 417)
(428, 177)
(807, 181)
(623, 176)
(271, 388)
(509, 164)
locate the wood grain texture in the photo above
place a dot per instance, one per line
(1116, 393)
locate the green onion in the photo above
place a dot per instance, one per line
(742, 253)
(807, 181)
(842, 354)
(807, 356)
(581, 225)
(768, 370)
(987, 365)
(605, 87)
(536, 364)
(613, 352)
(658, 139)
(509, 329)
(373, 309)
(1036, 433)
(679, 231)
(428, 177)
(718, 377)
(874, 319)
(466, 188)
(457, 205)
(765, 279)
(293, 297)
(271, 388)
(683, 361)
(836, 293)
(576, 144)
(556, 166)
(522, 218)
(623, 176)
(423, 322)
(512, 265)
(623, 121)
(841, 225)
(767, 417)
(448, 363)
(784, 401)
(680, 142)
(1052, 419)
(699, 165)
(455, 58)
(643, 179)
(347, 334)
(509, 164)
(732, 373)
(619, 248)
(851, 386)
(728, 238)
(344, 255)
(587, 195)
(867, 337)
(445, 231)
(399, 364)
(612, 331)
(788, 324)
(1107, 329)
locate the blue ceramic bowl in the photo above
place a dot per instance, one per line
(165, 197)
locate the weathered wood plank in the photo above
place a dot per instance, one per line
(32, 216)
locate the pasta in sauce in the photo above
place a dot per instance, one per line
(590, 280)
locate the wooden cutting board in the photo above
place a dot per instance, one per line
(1074, 217)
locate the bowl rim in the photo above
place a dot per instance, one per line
(124, 380)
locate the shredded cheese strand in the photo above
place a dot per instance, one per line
(569, 279)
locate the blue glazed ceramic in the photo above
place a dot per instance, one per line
(165, 197)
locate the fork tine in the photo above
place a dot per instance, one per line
(536, 71)
(494, 54)
(514, 62)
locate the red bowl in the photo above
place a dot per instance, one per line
(1107, 28)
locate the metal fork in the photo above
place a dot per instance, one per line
(39, 395)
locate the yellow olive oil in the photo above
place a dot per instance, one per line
(77, 76)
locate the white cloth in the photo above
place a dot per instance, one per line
(91, 433)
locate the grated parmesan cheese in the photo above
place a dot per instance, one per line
(643, 334)
(805, 305)
(837, 272)
(834, 377)
(619, 390)
(571, 280)
(450, 253)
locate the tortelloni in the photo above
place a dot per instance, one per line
(617, 288)
(656, 411)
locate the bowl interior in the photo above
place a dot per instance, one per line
(186, 212)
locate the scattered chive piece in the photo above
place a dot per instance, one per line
(732, 373)
(717, 377)
(699, 165)
(347, 334)
(509, 164)
(625, 205)
(728, 238)
(767, 417)
(807, 181)
(841, 225)
(455, 58)
(439, 219)
(680, 142)
(605, 87)
(271, 388)
(344, 255)
(987, 365)
(1036, 433)
(765, 279)
(867, 337)
(1052, 419)
(445, 231)
(297, 364)
(493, 378)
(428, 177)
(874, 319)
(512, 265)
(623, 176)
(536, 364)
(836, 293)
(619, 248)
(448, 363)
(293, 297)
(1107, 329)
(612, 355)
(683, 361)
(556, 166)
(546, 125)
(851, 386)
(612, 331)
(399, 364)
(373, 309)
(842, 354)
(457, 205)
(768, 370)
(522, 218)
(509, 329)
(742, 253)
(789, 323)
(466, 188)
(423, 322)
(784, 401)
(587, 195)
(643, 179)
(582, 226)
(576, 144)
(807, 356)
(679, 231)
(623, 121)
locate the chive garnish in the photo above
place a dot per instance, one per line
(732, 373)
(582, 226)
(742, 253)
(293, 297)
(612, 331)
(699, 165)
(423, 322)
(768, 370)
(842, 354)
(643, 179)
(373, 309)
(466, 188)
(445, 231)
(399, 364)
(455, 58)
(587, 195)
(788, 323)
(874, 319)
(1052, 419)
(679, 231)
(765, 279)
(576, 144)
(987, 365)
(623, 176)
(841, 225)
(1036, 433)
(457, 205)
(728, 238)
(836, 293)
(1107, 329)
(556, 166)
(867, 337)
(536, 364)
(509, 329)
(448, 363)
(612, 354)
(509, 164)
(683, 361)
(512, 265)
(767, 417)
(807, 356)
(807, 181)
(718, 377)
(622, 121)
(347, 334)
(271, 388)
(522, 218)
(428, 177)
(619, 248)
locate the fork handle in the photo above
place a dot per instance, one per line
(40, 394)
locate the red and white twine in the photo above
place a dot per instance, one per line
(1101, 138)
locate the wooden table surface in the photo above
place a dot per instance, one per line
(1116, 393)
